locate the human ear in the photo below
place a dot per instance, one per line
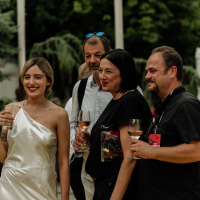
(173, 71)
(48, 82)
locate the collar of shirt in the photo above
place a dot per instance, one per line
(160, 106)
(91, 81)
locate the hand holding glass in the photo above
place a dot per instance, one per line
(83, 122)
(9, 108)
(135, 131)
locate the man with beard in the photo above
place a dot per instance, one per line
(94, 101)
(172, 170)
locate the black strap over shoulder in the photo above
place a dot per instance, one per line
(81, 91)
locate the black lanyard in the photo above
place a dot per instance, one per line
(153, 122)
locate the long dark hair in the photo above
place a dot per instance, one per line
(123, 60)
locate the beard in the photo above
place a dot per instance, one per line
(155, 89)
(94, 65)
(95, 72)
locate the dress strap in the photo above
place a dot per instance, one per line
(20, 105)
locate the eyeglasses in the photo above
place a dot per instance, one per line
(97, 34)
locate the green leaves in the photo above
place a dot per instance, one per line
(7, 31)
(4, 4)
(67, 50)
(64, 54)
(4, 101)
(191, 79)
(83, 6)
(106, 17)
(152, 23)
(147, 24)
(4, 76)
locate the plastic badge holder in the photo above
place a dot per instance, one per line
(111, 149)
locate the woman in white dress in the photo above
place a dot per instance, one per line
(28, 150)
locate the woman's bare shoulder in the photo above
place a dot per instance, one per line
(13, 104)
(16, 106)
(58, 111)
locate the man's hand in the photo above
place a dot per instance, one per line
(142, 149)
(81, 137)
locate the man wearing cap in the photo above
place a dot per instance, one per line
(170, 147)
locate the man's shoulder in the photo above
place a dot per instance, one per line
(77, 85)
(187, 97)
(186, 101)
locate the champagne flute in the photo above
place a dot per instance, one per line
(135, 131)
(4, 132)
(9, 108)
(83, 122)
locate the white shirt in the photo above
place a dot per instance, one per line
(95, 101)
(68, 108)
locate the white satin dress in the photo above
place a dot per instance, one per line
(28, 172)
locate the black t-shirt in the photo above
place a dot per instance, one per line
(180, 124)
(117, 113)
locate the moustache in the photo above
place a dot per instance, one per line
(149, 80)
(94, 66)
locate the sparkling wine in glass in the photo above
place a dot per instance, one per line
(4, 132)
(135, 131)
(83, 122)
(83, 125)
(9, 108)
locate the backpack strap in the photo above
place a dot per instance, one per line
(81, 91)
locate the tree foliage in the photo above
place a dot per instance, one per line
(147, 24)
(65, 55)
(7, 31)
(154, 23)
(191, 79)
(49, 18)
(4, 76)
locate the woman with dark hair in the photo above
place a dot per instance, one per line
(28, 149)
(113, 179)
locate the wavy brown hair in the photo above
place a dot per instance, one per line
(45, 67)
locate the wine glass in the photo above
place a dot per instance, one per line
(135, 131)
(4, 132)
(83, 122)
(9, 108)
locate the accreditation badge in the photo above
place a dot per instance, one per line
(154, 140)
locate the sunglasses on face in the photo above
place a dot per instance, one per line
(97, 34)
